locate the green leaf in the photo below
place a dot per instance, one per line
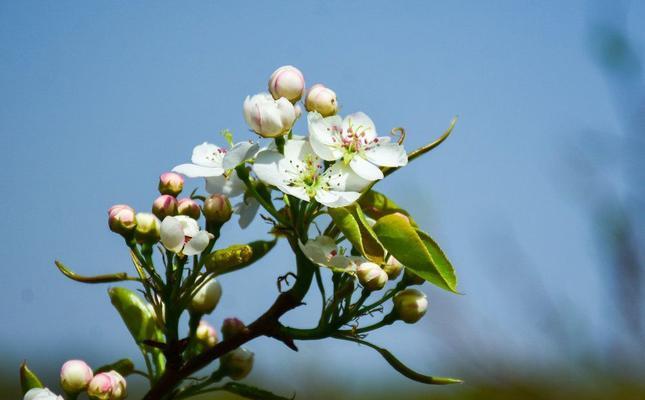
(352, 223)
(415, 250)
(28, 379)
(376, 205)
(137, 316)
(124, 367)
(251, 392)
(237, 256)
(118, 277)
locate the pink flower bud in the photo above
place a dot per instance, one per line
(121, 219)
(171, 183)
(410, 305)
(164, 206)
(231, 327)
(206, 334)
(321, 99)
(371, 276)
(188, 207)
(119, 386)
(217, 209)
(101, 386)
(75, 375)
(238, 363)
(287, 82)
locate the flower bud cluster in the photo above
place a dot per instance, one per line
(273, 114)
(77, 377)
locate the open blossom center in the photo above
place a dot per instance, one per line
(355, 139)
(309, 174)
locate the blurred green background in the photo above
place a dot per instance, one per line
(538, 197)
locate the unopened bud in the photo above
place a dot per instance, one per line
(164, 206)
(231, 327)
(119, 386)
(101, 386)
(206, 334)
(287, 82)
(410, 305)
(206, 298)
(393, 268)
(121, 219)
(371, 276)
(217, 209)
(188, 207)
(171, 183)
(147, 230)
(321, 99)
(75, 375)
(238, 363)
(411, 278)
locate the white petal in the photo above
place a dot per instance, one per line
(297, 149)
(342, 178)
(365, 169)
(247, 210)
(387, 155)
(325, 197)
(287, 113)
(296, 191)
(319, 250)
(239, 153)
(344, 199)
(208, 155)
(324, 140)
(266, 167)
(197, 171)
(172, 234)
(189, 226)
(197, 244)
(230, 186)
(361, 125)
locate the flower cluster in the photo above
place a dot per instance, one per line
(367, 258)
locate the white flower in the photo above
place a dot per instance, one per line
(301, 173)
(213, 163)
(355, 141)
(181, 234)
(41, 394)
(323, 251)
(269, 117)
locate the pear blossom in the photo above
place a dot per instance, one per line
(246, 209)
(301, 173)
(181, 234)
(214, 163)
(324, 252)
(41, 394)
(267, 116)
(287, 81)
(355, 141)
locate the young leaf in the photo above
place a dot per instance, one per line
(119, 276)
(404, 242)
(352, 223)
(376, 205)
(237, 256)
(136, 315)
(28, 379)
(125, 367)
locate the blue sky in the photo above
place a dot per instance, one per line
(97, 99)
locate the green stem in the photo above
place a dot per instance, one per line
(243, 174)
